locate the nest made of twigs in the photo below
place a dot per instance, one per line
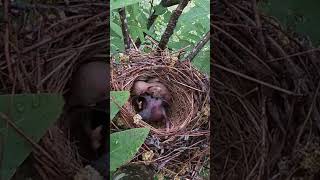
(47, 44)
(188, 87)
(57, 157)
(183, 151)
(265, 85)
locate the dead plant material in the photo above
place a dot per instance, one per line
(265, 97)
(66, 161)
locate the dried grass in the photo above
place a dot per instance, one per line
(265, 95)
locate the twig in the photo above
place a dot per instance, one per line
(198, 47)
(259, 26)
(314, 100)
(6, 38)
(67, 31)
(293, 55)
(243, 46)
(152, 18)
(124, 27)
(256, 80)
(264, 144)
(172, 24)
(57, 68)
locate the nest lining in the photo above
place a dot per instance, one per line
(188, 87)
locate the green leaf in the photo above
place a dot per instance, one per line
(159, 9)
(116, 28)
(118, 98)
(124, 145)
(180, 44)
(196, 13)
(32, 114)
(136, 32)
(202, 61)
(204, 4)
(115, 4)
(117, 44)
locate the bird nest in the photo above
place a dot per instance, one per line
(182, 150)
(58, 158)
(189, 89)
(265, 95)
(41, 58)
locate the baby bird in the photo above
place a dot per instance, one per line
(153, 109)
(152, 87)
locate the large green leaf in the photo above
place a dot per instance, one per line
(118, 98)
(124, 145)
(115, 4)
(32, 114)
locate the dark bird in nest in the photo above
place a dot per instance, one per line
(86, 109)
(153, 109)
(89, 84)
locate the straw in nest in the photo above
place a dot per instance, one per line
(265, 96)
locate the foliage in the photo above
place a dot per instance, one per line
(193, 24)
(115, 4)
(301, 16)
(32, 114)
(125, 144)
(118, 99)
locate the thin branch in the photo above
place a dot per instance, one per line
(6, 38)
(152, 18)
(168, 3)
(62, 33)
(124, 27)
(260, 37)
(311, 108)
(172, 24)
(256, 80)
(198, 47)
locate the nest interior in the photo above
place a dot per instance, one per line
(187, 86)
